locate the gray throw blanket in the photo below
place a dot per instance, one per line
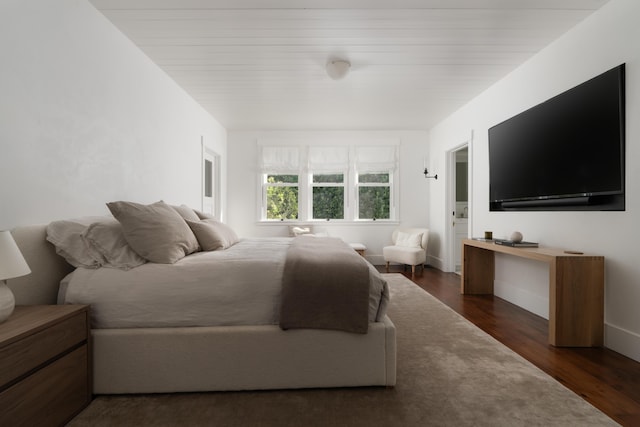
(325, 285)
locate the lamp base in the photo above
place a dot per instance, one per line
(7, 301)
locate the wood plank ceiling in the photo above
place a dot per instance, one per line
(260, 64)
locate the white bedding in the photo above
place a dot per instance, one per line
(237, 286)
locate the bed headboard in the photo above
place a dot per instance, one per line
(47, 267)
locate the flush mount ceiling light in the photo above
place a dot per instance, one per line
(338, 68)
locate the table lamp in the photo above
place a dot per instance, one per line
(12, 265)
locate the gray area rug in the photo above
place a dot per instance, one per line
(450, 373)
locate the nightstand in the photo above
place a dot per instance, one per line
(45, 365)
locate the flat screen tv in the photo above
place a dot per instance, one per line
(567, 153)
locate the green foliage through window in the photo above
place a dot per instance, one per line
(328, 196)
(373, 202)
(374, 196)
(282, 197)
(328, 202)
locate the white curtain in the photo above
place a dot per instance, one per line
(328, 159)
(376, 159)
(280, 159)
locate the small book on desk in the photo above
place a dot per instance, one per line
(511, 243)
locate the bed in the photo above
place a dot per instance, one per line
(190, 358)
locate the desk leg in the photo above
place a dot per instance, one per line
(576, 302)
(478, 270)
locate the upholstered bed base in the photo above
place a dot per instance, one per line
(160, 360)
(240, 358)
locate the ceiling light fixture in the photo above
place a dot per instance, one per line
(337, 68)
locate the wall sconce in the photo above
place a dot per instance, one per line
(426, 172)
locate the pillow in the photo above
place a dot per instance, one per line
(186, 212)
(296, 230)
(106, 241)
(156, 232)
(409, 240)
(203, 215)
(213, 235)
(66, 236)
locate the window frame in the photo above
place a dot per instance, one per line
(344, 185)
(390, 185)
(266, 185)
(350, 183)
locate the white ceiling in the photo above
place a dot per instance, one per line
(260, 64)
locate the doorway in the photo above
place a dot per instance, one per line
(458, 207)
(211, 182)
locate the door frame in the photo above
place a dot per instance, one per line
(211, 205)
(450, 204)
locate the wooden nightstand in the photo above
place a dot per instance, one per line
(45, 365)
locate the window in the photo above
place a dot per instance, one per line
(281, 195)
(374, 196)
(341, 183)
(327, 199)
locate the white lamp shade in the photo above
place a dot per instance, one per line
(337, 69)
(12, 263)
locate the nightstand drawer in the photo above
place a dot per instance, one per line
(51, 396)
(32, 351)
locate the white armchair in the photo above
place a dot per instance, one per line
(409, 247)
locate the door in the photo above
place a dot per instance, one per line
(460, 213)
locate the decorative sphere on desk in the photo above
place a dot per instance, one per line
(516, 237)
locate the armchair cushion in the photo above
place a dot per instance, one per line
(404, 255)
(410, 240)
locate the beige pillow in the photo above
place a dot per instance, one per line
(186, 212)
(66, 236)
(105, 239)
(213, 235)
(203, 215)
(156, 232)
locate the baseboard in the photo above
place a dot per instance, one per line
(622, 341)
(435, 262)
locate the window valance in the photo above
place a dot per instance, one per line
(280, 159)
(376, 159)
(328, 159)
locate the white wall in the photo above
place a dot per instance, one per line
(243, 185)
(87, 118)
(604, 40)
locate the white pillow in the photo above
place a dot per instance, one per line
(409, 240)
(299, 230)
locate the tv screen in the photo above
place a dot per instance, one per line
(564, 154)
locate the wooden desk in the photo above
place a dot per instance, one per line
(576, 288)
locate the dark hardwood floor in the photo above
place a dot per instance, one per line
(604, 378)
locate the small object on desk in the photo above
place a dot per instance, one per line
(574, 252)
(520, 244)
(488, 235)
(516, 237)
